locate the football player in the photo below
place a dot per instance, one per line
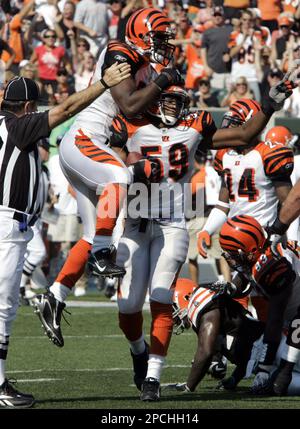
(93, 169)
(248, 252)
(167, 135)
(254, 178)
(212, 314)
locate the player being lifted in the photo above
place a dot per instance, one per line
(92, 168)
(154, 246)
(211, 311)
(254, 178)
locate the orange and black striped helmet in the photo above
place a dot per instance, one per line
(240, 112)
(242, 239)
(148, 32)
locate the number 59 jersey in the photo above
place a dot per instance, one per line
(250, 178)
(174, 149)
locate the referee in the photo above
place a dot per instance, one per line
(21, 127)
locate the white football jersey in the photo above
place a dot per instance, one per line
(174, 149)
(95, 119)
(249, 178)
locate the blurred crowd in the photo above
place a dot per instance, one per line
(225, 49)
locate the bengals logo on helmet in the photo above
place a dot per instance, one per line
(148, 32)
(240, 112)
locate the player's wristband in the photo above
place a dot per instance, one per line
(278, 227)
(214, 221)
(104, 83)
(162, 81)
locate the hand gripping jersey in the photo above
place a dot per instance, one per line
(174, 149)
(249, 178)
(97, 117)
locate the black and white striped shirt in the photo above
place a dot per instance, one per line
(20, 164)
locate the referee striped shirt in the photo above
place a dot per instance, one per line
(20, 164)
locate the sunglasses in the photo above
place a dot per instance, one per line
(81, 45)
(52, 36)
(62, 73)
(241, 84)
(284, 26)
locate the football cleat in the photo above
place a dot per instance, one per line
(282, 377)
(50, 310)
(217, 368)
(150, 390)
(101, 263)
(11, 398)
(140, 366)
(22, 298)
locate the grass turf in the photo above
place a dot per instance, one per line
(93, 369)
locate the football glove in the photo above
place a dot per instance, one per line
(228, 383)
(203, 243)
(168, 77)
(262, 383)
(145, 171)
(283, 89)
(222, 288)
(276, 235)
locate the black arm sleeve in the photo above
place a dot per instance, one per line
(28, 129)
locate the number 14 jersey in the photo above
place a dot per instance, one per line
(250, 178)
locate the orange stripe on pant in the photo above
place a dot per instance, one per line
(90, 150)
(131, 325)
(161, 328)
(108, 208)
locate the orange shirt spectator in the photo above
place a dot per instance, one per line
(270, 9)
(14, 38)
(195, 67)
(237, 4)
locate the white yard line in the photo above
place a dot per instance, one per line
(38, 380)
(28, 371)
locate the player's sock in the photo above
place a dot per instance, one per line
(60, 291)
(24, 280)
(155, 366)
(75, 263)
(108, 211)
(2, 371)
(138, 347)
(131, 325)
(161, 328)
(4, 340)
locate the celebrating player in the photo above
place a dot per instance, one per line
(168, 135)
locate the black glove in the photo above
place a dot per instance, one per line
(145, 171)
(276, 235)
(222, 288)
(227, 384)
(169, 77)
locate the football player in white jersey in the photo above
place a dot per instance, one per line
(155, 242)
(254, 179)
(93, 169)
(211, 312)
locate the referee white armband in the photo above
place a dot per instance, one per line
(214, 221)
(223, 204)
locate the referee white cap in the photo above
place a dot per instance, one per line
(21, 89)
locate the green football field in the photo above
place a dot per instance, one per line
(93, 369)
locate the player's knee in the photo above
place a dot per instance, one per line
(162, 296)
(129, 306)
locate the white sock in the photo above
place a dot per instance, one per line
(24, 279)
(155, 366)
(137, 347)
(101, 241)
(2, 371)
(60, 291)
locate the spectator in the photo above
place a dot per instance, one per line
(48, 58)
(65, 23)
(241, 46)
(239, 90)
(232, 8)
(204, 98)
(93, 14)
(214, 45)
(114, 13)
(270, 10)
(83, 77)
(78, 48)
(13, 36)
(195, 68)
(205, 14)
(4, 46)
(287, 35)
